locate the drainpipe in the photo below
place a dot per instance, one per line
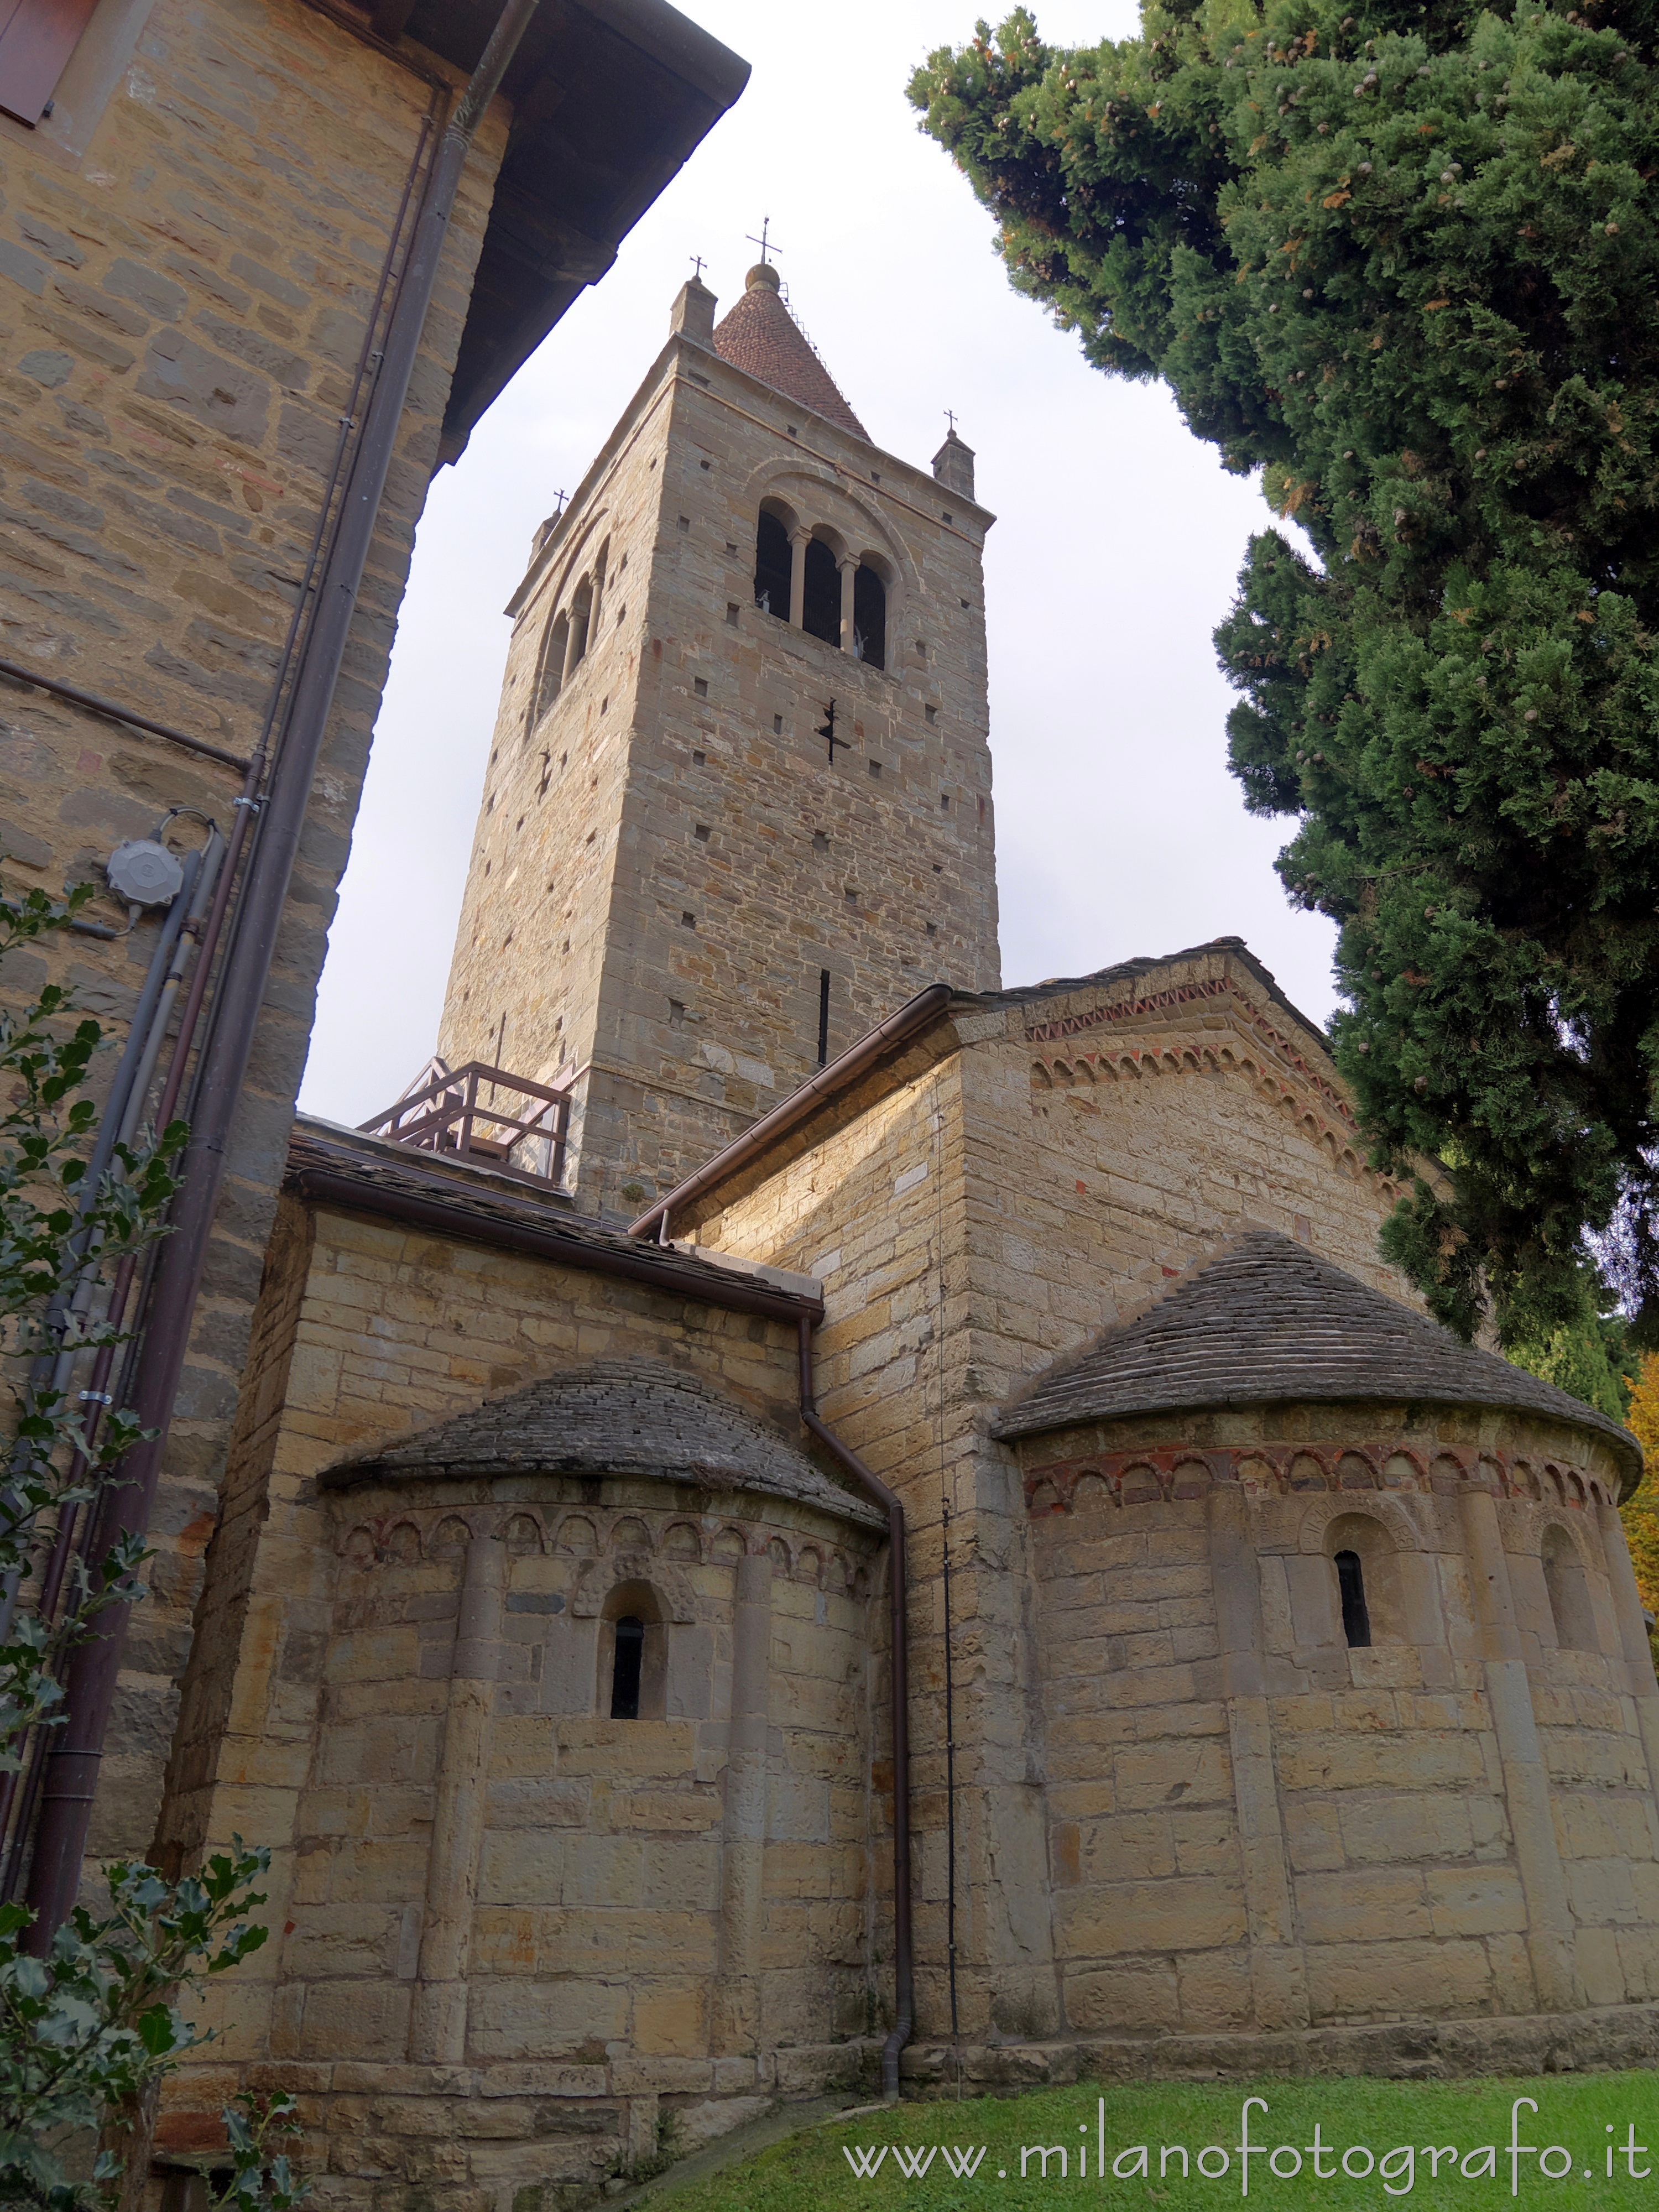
(904, 1980)
(66, 1804)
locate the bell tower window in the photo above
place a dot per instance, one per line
(821, 607)
(772, 566)
(870, 616)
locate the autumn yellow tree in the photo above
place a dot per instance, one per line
(1640, 1511)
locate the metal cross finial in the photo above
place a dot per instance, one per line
(952, 420)
(561, 496)
(763, 241)
(698, 263)
(826, 729)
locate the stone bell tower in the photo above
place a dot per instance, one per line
(738, 801)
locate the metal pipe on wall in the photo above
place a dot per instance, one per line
(73, 1766)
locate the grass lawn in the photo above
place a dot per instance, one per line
(1390, 2121)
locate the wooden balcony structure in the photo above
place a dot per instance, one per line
(488, 1114)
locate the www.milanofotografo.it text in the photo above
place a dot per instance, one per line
(1255, 2161)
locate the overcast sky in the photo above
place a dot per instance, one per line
(1119, 830)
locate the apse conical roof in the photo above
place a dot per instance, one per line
(762, 338)
(1268, 1322)
(607, 1416)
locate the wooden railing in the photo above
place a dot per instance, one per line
(447, 1113)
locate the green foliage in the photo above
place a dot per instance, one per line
(87, 2031)
(1402, 260)
(84, 2031)
(810, 2170)
(53, 1229)
(1584, 1351)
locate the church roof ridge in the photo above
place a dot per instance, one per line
(1267, 1322)
(1123, 971)
(761, 335)
(619, 1416)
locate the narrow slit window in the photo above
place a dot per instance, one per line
(625, 1672)
(1350, 1581)
(823, 1017)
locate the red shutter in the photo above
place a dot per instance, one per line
(37, 37)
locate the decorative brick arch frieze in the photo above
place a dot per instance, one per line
(652, 1545)
(1072, 1053)
(1326, 1121)
(1371, 1469)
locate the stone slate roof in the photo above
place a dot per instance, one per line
(611, 1417)
(762, 338)
(1269, 1321)
(476, 1193)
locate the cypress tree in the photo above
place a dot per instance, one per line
(1403, 261)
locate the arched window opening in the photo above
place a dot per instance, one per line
(550, 674)
(626, 1669)
(772, 566)
(870, 616)
(581, 610)
(1568, 1585)
(1350, 1584)
(821, 608)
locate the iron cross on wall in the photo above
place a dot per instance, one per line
(827, 730)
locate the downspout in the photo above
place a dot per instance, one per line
(904, 1980)
(66, 1806)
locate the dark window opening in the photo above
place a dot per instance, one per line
(625, 1674)
(772, 567)
(870, 618)
(550, 675)
(823, 1017)
(821, 609)
(1350, 1581)
(581, 612)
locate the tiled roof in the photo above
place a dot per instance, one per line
(1268, 1322)
(762, 338)
(611, 1417)
(476, 1196)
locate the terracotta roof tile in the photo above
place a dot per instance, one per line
(1270, 1322)
(762, 338)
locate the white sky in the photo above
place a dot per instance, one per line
(1118, 829)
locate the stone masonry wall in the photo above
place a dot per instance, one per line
(187, 256)
(1210, 1109)
(316, 1719)
(666, 859)
(1257, 1827)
